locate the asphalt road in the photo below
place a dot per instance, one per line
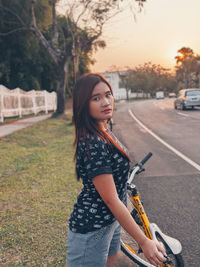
(170, 186)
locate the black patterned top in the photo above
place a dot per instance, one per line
(94, 157)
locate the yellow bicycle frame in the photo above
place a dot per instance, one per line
(142, 214)
(136, 200)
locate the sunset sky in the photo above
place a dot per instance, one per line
(163, 27)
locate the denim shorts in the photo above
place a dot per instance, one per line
(93, 248)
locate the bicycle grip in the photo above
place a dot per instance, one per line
(145, 158)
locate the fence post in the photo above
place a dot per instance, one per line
(45, 102)
(1, 104)
(55, 101)
(19, 103)
(34, 103)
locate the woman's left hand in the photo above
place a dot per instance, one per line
(153, 251)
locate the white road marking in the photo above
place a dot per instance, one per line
(181, 155)
(186, 115)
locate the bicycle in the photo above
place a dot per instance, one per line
(172, 246)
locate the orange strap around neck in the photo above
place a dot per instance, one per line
(116, 144)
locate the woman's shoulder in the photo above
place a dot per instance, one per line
(91, 138)
(92, 142)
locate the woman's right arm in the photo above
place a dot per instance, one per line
(106, 188)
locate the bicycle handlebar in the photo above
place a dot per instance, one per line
(138, 167)
(147, 157)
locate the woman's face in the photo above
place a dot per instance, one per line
(101, 103)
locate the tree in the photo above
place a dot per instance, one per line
(187, 68)
(23, 62)
(154, 77)
(87, 15)
(184, 53)
(149, 78)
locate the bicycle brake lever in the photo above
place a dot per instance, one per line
(140, 170)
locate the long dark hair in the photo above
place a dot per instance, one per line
(82, 93)
(84, 123)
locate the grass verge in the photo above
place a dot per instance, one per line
(37, 192)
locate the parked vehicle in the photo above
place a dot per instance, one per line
(159, 95)
(187, 98)
(172, 95)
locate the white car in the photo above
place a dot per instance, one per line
(172, 95)
(187, 98)
(159, 95)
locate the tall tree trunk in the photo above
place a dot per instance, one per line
(61, 93)
(59, 57)
(61, 86)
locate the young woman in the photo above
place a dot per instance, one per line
(102, 163)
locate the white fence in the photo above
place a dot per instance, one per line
(17, 102)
